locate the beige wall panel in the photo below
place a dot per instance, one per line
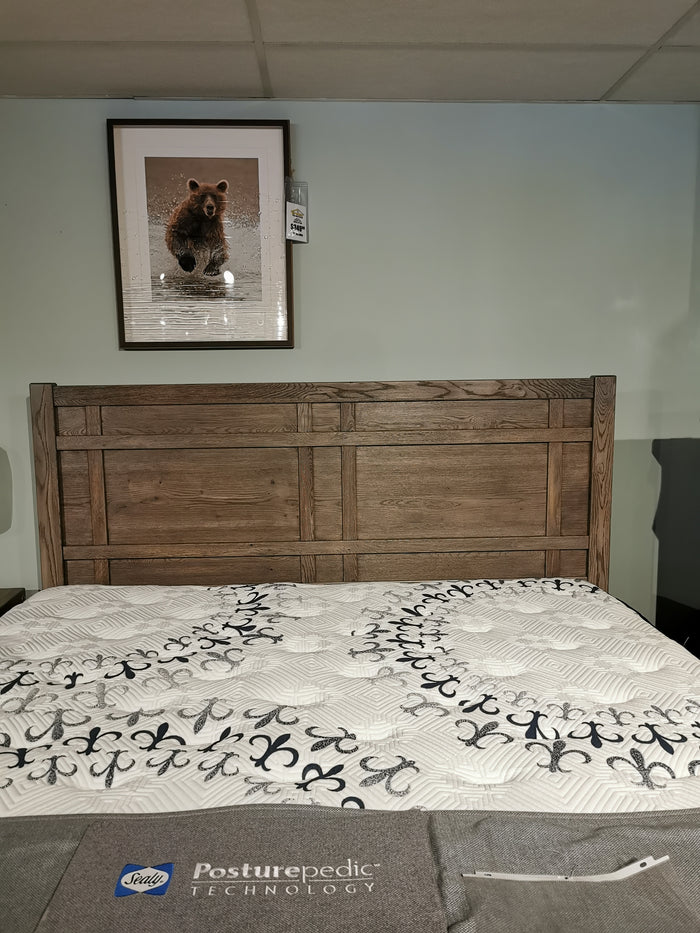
(199, 419)
(576, 475)
(466, 490)
(205, 571)
(499, 564)
(75, 502)
(433, 416)
(197, 496)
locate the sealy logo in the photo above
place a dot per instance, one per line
(139, 879)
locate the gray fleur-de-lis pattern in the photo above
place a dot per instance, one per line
(540, 695)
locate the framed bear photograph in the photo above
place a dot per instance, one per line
(198, 213)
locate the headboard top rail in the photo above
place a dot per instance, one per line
(252, 393)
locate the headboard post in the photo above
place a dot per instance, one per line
(47, 485)
(601, 479)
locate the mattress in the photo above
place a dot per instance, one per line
(539, 695)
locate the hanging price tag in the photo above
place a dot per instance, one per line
(297, 220)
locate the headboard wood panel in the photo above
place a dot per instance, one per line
(322, 482)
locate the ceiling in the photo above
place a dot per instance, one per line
(438, 50)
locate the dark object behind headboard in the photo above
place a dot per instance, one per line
(677, 527)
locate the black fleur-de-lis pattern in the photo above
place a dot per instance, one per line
(544, 695)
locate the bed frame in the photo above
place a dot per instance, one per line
(319, 482)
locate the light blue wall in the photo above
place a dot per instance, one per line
(447, 241)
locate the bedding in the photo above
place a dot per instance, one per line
(539, 695)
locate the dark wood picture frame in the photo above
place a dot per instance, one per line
(201, 257)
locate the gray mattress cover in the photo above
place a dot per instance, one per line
(293, 868)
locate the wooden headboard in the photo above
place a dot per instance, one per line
(322, 482)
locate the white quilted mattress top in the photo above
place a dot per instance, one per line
(538, 695)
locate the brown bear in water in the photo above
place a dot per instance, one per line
(195, 229)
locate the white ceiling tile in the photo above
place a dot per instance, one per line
(385, 49)
(120, 20)
(623, 22)
(119, 70)
(428, 74)
(669, 75)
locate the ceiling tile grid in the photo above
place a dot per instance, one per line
(126, 70)
(444, 74)
(442, 50)
(593, 22)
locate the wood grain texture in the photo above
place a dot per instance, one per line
(202, 495)
(481, 490)
(451, 415)
(328, 518)
(323, 439)
(554, 487)
(199, 419)
(554, 470)
(348, 491)
(575, 488)
(601, 480)
(351, 571)
(464, 566)
(573, 563)
(96, 483)
(348, 482)
(365, 546)
(329, 568)
(578, 412)
(80, 571)
(307, 563)
(102, 572)
(205, 571)
(347, 417)
(326, 417)
(76, 513)
(48, 501)
(348, 463)
(98, 506)
(305, 417)
(319, 482)
(306, 494)
(71, 421)
(552, 564)
(260, 392)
